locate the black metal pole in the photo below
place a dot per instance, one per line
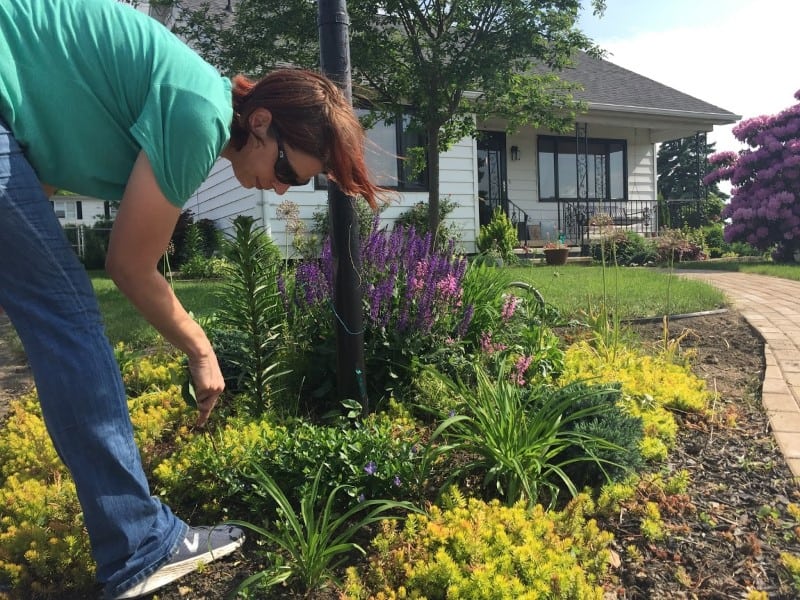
(345, 245)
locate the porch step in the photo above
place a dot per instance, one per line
(535, 256)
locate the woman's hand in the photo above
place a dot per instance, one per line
(208, 384)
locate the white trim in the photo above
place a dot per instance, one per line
(717, 118)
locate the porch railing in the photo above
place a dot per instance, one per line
(520, 219)
(581, 221)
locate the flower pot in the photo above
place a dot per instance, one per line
(556, 256)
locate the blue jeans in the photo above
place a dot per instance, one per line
(49, 299)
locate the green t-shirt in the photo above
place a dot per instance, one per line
(86, 84)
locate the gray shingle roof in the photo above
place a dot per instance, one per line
(613, 87)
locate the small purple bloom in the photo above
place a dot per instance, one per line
(397, 482)
(371, 468)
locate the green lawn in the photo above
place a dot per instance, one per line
(124, 323)
(575, 290)
(760, 267)
(628, 291)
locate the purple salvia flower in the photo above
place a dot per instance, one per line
(469, 312)
(371, 468)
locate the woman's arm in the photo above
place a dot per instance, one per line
(140, 235)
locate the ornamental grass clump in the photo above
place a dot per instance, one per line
(524, 443)
(315, 541)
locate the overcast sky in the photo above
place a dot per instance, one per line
(740, 55)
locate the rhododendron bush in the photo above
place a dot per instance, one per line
(764, 209)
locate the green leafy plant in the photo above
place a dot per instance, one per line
(499, 236)
(200, 267)
(314, 542)
(626, 248)
(417, 217)
(522, 440)
(377, 457)
(250, 305)
(321, 227)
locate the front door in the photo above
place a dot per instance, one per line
(492, 187)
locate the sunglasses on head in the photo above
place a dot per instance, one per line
(284, 172)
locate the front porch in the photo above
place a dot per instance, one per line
(579, 223)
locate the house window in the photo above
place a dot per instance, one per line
(605, 172)
(65, 209)
(387, 145)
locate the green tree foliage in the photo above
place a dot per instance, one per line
(427, 56)
(681, 165)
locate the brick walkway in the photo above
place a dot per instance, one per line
(772, 306)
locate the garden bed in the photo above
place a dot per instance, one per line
(723, 538)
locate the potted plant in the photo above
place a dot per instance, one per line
(555, 253)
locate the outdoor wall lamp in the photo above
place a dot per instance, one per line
(514, 152)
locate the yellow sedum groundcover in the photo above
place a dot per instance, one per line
(652, 386)
(475, 550)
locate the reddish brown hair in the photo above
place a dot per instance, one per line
(312, 115)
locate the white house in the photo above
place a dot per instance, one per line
(608, 165)
(73, 210)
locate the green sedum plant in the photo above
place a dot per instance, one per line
(44, 550)
(472, 550)
(652, 387)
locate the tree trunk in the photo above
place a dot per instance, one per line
(433, 182)
(345, 245)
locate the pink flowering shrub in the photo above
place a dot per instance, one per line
(764, 210)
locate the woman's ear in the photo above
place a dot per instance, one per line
(260, 120)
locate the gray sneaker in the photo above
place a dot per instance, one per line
(200, 546)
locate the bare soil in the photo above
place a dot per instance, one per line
(723, 538)
(15, 376)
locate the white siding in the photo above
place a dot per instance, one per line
(641, 166)
(91, 209)
(221, 198)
